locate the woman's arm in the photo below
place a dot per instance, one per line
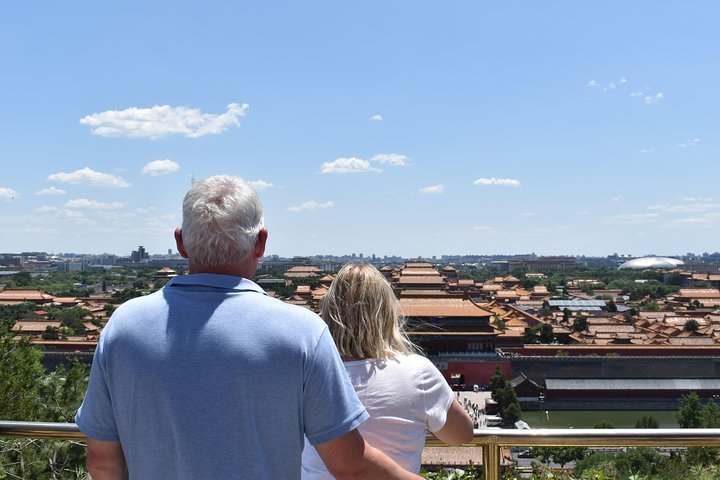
(106, 460)
(458, 428)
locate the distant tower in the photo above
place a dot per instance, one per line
(139, 255)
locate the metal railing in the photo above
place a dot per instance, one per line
(491, 440)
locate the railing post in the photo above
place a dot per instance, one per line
(491, 459)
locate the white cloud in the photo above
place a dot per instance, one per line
(7, 194)
(504, 182)
(144, 210)
(46, 209)
(650, 99)
(50, 191)
(90, 177)
(37, 231)
(260, 185)
(705, 221)
(358, 165)
(394, 159)
(632, 218)
(636, 94)
(93, 204)
(690, 143)
(647, 150)
(160, 167)
(610, 86)
(485, 229)
(311, 205)
(622, 80)
(527, 214)
(615, 199)
(693, 221)
(163, 120)
(377, 118)
(693, 207)
(75, 217)
(348, 165)
(592, 83)
(433, 189)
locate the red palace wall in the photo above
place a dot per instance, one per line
(477, 373)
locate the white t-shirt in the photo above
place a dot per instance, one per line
(405, 396)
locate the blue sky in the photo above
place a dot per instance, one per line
(405, 128)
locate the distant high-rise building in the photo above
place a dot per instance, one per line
(139, 255)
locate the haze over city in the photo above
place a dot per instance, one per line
(394, 128)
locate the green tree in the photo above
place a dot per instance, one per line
(124, 295)
(580, 324)
(51, 333)
(689, 412)
(508, 404)
(512, 412)
(546, 333)
(497, 381)
(652, 306)
(612, 306)
(20, 369)
(560, 455)
(22, 279)
(72, 318)
(692, 326)
(710, 415)
(56, 397)
(603, 424)
(647, 421)
(643, 463)
(531, 337)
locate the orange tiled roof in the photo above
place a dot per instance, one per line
(24, 295)
(421, 280)
(416, 292)
(710, 293)
(418, 265)
(34, 327)
(441, 307)
(420, 272)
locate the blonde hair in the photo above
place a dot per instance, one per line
(361, 312)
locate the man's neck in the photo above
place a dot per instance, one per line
(245, 269)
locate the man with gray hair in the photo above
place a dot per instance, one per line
(211, 378)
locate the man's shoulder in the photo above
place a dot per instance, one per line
(288, 309)
(141, 302)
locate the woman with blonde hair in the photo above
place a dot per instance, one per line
(403, 392)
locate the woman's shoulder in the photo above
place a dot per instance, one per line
(415, 361)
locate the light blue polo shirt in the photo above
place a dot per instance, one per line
(211, 378)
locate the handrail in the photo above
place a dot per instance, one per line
(491, 440)
(43, 430)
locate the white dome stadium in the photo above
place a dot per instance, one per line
(652, 262)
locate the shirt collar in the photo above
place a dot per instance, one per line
(227, 282)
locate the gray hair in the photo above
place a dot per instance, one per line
(222, 216)
(361, 311)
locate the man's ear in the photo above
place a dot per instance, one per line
(179, 242)
(260, 243)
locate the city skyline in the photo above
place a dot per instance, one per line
(407, 129)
